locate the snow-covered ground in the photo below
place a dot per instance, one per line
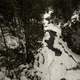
(57, 67)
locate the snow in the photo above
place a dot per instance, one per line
(55, 67)
(12, 42)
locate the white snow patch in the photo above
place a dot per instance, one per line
(55, 67)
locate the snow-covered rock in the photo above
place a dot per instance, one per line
(12, 42)
(57, 67)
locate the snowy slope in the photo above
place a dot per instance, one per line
(57, 67)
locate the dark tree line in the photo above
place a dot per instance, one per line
(20, 20)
